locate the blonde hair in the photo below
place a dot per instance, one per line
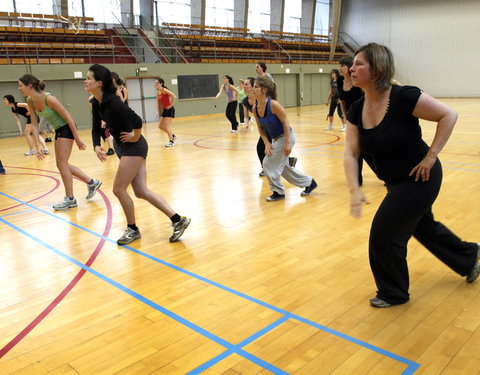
(381, 63)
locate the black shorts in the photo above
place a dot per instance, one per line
(139, 148)
(64, 132)
(169, 112)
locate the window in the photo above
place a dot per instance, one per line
(35, 6)
(109, 12)
(258, 16)
(292, 16)
(322, 16)
(219, 13)
(174, 11)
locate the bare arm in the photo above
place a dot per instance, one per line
(220, 92)
(430, 109)
(280, 112)
(261, 131)
(172, 96)
(19, 124)
(53, 103)
(350, 164)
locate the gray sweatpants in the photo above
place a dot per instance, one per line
(276, 165)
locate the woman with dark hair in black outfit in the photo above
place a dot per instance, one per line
(333, 99)
(384, 124)
(126, 127)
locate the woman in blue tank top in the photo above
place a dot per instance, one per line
(231, 92)
(273, 124)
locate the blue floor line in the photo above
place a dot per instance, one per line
(230, 347)
(239, 294)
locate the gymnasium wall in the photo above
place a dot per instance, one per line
(435, 43)
(302, 81)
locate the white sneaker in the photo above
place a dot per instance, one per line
(65, 204)
(170, 144)
(45, 151)
(92, 188)
(30, 152)
(233, 131)
(344, 128)
(329, 127)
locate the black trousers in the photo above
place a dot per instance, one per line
(406, 211)
(261, 149)
(230, 112)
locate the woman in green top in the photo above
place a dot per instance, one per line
(241, 94)
(44, 104)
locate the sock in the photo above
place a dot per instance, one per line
(133, 226)
(90, 182)
(175, 218)
(71, 198)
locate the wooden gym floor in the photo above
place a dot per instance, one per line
(252, 287)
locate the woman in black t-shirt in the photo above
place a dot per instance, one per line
(126, 127)
(384, 124)
(22, 110)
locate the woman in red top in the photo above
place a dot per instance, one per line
(165, 99)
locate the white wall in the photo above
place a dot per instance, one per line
(435, 43)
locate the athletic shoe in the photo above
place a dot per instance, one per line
(475, 272)
(310, 188)
(170, 144)
(48, 139)
(179, 227)
(377, 302)
(262, 173)
(292, 160)
(329, 127)
(110, 151)
(45, 151)
(275, 197)
(65, 204)
(344, 128)
(92, 188)
(128, 236)
(174, 137)
(30, 152)
(233, 131)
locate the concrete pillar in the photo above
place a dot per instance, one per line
(276, 15)
(240, 13)
(307, 21)
(197, 9)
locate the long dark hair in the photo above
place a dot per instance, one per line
(30, 79)
(230, 79)
(101, 73)
(161, 80)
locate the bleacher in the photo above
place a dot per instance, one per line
(47, 39)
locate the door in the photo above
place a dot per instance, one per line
(142, 97)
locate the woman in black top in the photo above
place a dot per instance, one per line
(333, 99)
(126, 127)
(22, 110)
(385, 125)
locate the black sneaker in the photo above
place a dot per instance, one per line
(292, 160)
(275, 197)
(48, 139)
(310, 188)
(110, 151)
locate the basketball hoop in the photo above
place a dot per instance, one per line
(74, 22)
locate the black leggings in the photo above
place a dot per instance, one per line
(333, 105)
(406, 211)
(230, 112)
